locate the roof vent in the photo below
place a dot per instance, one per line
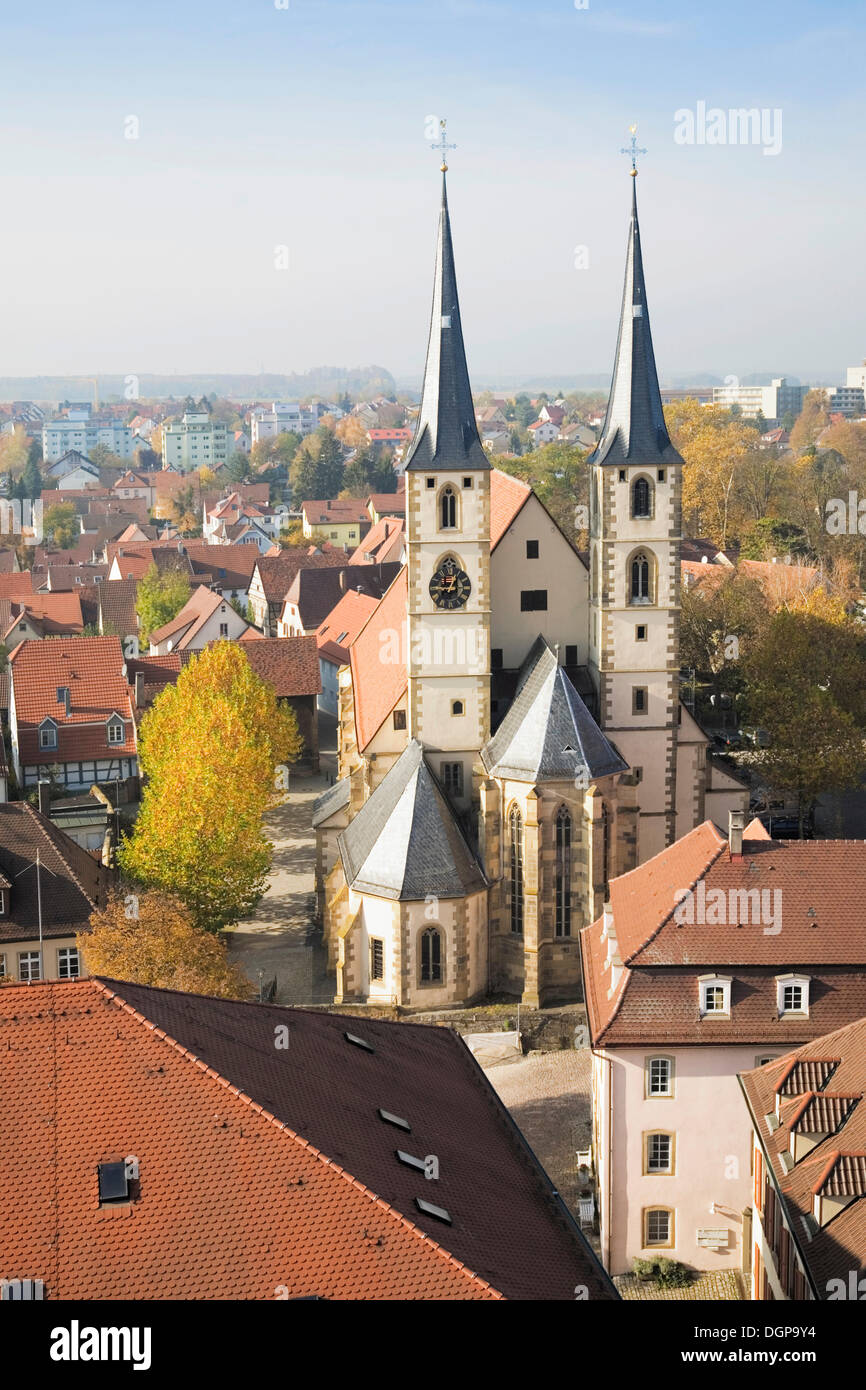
(358, 1042)
(394, 1120)
(429, 1209)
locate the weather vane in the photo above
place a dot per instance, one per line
(442, 145)
(633, 150)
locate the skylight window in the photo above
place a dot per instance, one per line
(394, 1120)
(113, 1182)
(439, 1213)
(358, 1042)
(411, 1161)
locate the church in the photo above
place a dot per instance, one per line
(511, 735)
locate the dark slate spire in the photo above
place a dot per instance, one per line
(634, 426)
(446, 436)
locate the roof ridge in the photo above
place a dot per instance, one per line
(113, 997)
(664, 921)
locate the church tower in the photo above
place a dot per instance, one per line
(635, 537)
(448, 551)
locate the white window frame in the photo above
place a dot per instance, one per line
(713, 982)
(65, 955)
(650, 1093)
(113, 726)
(47, 727)
(792, 981)
(30, 956)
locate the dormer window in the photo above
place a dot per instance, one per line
(48, 734)
(116, 731)
(792, 994)
(715, 998)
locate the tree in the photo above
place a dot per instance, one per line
(807, 688)
(60, 525)
(149, 938)
(31, 477)
(329, 464)
(720, 617)
(237, 467)
(812, 420)
(161, 596)
(713, 443)
(208, 747)
(184, 511)
(279, 448)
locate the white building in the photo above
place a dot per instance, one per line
(284, 417)
(847, 400)
(196, 441)
(77, 431)
(773, 401)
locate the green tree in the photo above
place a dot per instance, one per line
(161, 596)
(201, 837)
(31, 477)
(237, 467)
(60, 525)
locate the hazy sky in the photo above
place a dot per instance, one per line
(262, 127)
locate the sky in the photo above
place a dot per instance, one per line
(277, 207)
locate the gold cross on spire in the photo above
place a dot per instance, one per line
(442, 146)
(633, 150)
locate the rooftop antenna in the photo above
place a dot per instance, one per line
(442, 146)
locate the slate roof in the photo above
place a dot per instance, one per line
(405, 842)
(634, 428)
(334, 799)
(548, 734)
(72, 883)
(836, 1166)
(289, 664)
(446, 435)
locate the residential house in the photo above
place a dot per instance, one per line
(390, 504)
(382, 544)
(315, 592)
(714, 957)
(272, 578)
(178, 1111)
(342, 521)
(808, 1220)
(74, 470)
(49, 886)
(543, 432)
(334, 638)
(290, 665)
(37, 616)
(205, 617)
(70, 714)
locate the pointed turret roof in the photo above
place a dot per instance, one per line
(634, 425)
(548, 733)
(446, 436)
(405, 842)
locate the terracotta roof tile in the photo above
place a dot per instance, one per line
(507, 496)
(289, 664)
(93, 670)
(378, 661)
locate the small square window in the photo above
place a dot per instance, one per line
(29, 966)
(658, 1227)
(399, 719)
(458, 707)
(431, 482)
(659, 1153)
(659, 1076)
(638, 699)
(68, 963)
(640, 632)
(622, 475)
(661, 475)
(113, 1182)
(532, 550)
(467, 482)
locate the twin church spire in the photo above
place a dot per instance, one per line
(446, 435)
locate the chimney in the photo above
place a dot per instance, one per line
(342, 581)
(139, 689)
(607, 922)
(736, 826)
(44, 797)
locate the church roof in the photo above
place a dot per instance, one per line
(634, 426)
(332, 800)
(446, 436)
(405, 842)
(548, 733)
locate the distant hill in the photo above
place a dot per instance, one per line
(327, 382)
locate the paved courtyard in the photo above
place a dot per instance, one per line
(280, 940)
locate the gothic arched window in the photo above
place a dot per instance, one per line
(563, 872)
(515, 868)
(640, 579)
(431, 956)
(641, 498)
(448, 509)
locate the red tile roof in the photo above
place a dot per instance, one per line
(231, 1201)
(93, 670)
(782, 904)
(378, 661)
(276, 572)
(335, 511)
(836, 1166)
(185, 625)
(16, 585)
(507, 496)
(382, 543)
(289, 664)
(348, 618)
(54, 613)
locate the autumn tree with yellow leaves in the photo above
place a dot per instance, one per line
(210, 747)
(150, 938)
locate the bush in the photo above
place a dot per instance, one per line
(670, 1274)
(643, 1269)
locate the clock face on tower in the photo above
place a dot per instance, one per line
(450, 586)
